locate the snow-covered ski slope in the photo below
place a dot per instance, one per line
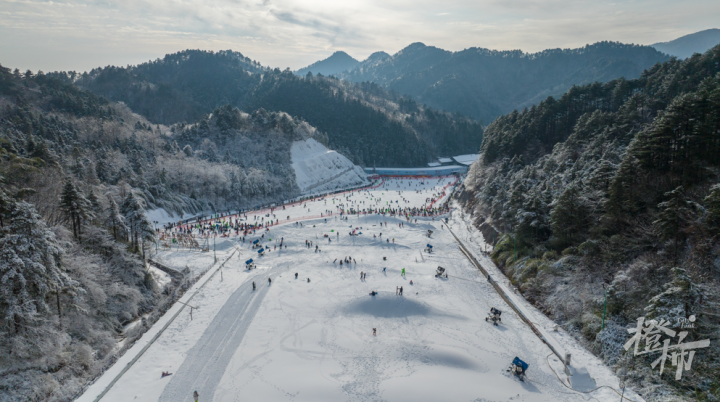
(295, 340)
(319, 169)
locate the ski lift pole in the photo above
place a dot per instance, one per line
(214, 253)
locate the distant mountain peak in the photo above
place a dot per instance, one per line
(338, 62)
(685, 46)
(377, 56)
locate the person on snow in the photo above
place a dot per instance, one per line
(196, 396)
(296, 274)
(374, 334)
(400, 290)
(397, 290)
(269, 281)
(373, 293)
(253, 285)
(403, 272)
(308, 279)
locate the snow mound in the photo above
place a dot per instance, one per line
(319, 169)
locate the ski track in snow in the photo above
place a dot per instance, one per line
(206, 361)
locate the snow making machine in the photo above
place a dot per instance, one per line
(441, 273)
(256, 243)
(249, 264)
(494, 316)
(518, 368)
(261, 251)
(428, 248)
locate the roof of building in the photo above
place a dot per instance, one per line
(466, 160)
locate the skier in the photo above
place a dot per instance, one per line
(253, 285)
(384, 269)
(269, 281)
(403, 272)
(296, 274)
(400, 290)
(308, 280)
(196, 396)
(374, 334)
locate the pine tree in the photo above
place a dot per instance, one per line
(95, 206)
(568, 217)
(712, 205)
(673, 216)
(75, 207)
(29, 267)
(139, 226)
(115, 219)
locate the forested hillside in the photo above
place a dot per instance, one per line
(685, 46)
(484, 84)
(614, 186)
(363, 121)
(77, 176)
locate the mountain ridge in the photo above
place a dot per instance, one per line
(687, 45)
(483, 83)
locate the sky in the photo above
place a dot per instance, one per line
(82, 34)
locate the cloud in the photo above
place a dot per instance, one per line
(82, 34)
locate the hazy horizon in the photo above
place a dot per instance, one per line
(83, 34)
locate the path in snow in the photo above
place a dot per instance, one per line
(206, 361)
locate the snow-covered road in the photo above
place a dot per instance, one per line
(311, 340)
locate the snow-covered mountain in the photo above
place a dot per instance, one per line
(319, 169)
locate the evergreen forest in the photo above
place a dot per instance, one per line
(366, 123)
(612, 190)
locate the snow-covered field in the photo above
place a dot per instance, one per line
(319, 169)
(300, 340)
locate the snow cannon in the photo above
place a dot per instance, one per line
(441, 272)
(429, 248)
(261, 251)
(249, 264)
(518, 368)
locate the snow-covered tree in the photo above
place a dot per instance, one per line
(674, 214)
(115, 220)
(30, 267)
(75, 206)
(136, 220)
(712, 204)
